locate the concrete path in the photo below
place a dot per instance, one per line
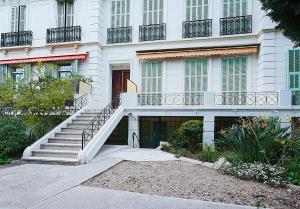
(97, 198)
(26, 185)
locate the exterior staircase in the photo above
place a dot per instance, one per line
(64, 147)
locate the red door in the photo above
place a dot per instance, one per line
(119, 82)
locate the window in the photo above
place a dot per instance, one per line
(234, 80)
(294, 74)
(3, 73)
(120, 13)
(151, 82)
(65, 13)
(195, 76)
(196, 10)
(234, 8)
(18, 18)
(153, 12)
(65, 71)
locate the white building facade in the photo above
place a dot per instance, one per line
(206, 59)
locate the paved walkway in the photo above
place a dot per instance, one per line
(36, 186)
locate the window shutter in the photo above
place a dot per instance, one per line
(69, 13)
(294, 69)
(27, 72)
(153, 12)
(234, 8)
(196, 76)
(60, 14)
(22, 18)
(3, 73)
(74, 65)
(14, 19)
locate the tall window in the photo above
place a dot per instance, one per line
(120, 13)
(153, 12)
(196, 76)
(294, 74)
(18, 18)
(234, 8)
(65, 13)
(234, 80)
(196, 10)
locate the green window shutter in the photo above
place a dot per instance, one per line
(294, 69)
(196, 76)
(3, 73)
(151, 77)
(27, 72)
(153, 12)
(74, 65)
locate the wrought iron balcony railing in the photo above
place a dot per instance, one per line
(119, 35)
(247, 98)
(198, 28)
(153, 32)
(296, 98)
(22, 38)
(63, 34)
(236, 25)
(171, 99)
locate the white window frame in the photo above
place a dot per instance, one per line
(64, 19)
(152, 15)
(200, 76)
(120, 17)
(234, 10)
(18, 24)
(192, 11)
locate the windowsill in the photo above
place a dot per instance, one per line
(15, 47)
(63, 43)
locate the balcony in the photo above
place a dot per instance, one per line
(153, 32)
(296, 98)
(236, 25)
(247, 98)
(171, 99)
(198, 28)
(64, 34)
(14, 39)
(119, 35)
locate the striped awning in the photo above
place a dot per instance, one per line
(196, 52)
(54, 58)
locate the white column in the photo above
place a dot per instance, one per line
(209, 99)
(285, 98)
(133, 130)
(208, 130)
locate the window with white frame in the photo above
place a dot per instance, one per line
(120, 13)
(153, 12)
(294, 74)
(65, 13)
(234, 8)
(234, 80)
(18, 18)
(196, 76)
(196, 10)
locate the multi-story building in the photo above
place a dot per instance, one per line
(177, 60)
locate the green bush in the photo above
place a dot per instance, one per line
(13, 137)
(178, 140)
(259, 140)
(292, 164)
(209, 154)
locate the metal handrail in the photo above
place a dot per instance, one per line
(134, 135)
(94, 126)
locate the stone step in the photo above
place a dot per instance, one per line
(89, 114)
(55, 153)
(77, 121)
(63, 140)
(69, 135)
(60, 146)
(72, 130)
(85, 118)
(51, 160)
(77, 126)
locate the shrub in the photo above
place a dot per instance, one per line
(264, 173)
(259, 140)
(192, 131)
(292, 164)
(209, 154)
(13, 137)
(178, 140)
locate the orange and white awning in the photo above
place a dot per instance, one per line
(53, 58)
(196, 52)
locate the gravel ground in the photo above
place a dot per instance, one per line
(186, 180)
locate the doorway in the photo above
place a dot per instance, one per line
(119, 82)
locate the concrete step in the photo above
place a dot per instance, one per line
(84, 118)
(89, 114)
(60, 146)
(63, 140)
(51, 160)
(77, 121)
(72, 130)
(55, 153)
(77, 126)
(69, 135)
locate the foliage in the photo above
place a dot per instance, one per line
(258, 204)
(287, 14)
(292, 164)
(166, 148)
(209, 154)
(259, 140)
(188, 136)
(13, 137)
(268, 174)
(5, 160)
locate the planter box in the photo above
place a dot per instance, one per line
(81, 87)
